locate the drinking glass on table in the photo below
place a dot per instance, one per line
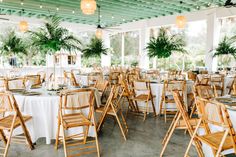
(28, 85)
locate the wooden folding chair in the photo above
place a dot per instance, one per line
(131, 77)
(231, 84)
(142, 93)
(202, 91)
(13, 120)
(35, 80)
(167, 97)
(74, 104)
(181, 121)
(192, 76)
(94, 77)
(152, 74)
(203, 79)
(101, 85)
(15, 84)
(213, 113)
(113, 108)
(127, 94)
(218, 82)
(42, 76)
(114, 77)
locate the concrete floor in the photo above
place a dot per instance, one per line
(144, 140)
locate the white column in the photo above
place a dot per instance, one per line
(123, 49)
(49, 60)
(144, 38)
(106, 59)
(78, 60)
(213, 31)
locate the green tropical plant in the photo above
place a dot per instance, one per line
(11, 44)
(95, 48)
(225, 47)
(52, 37)
(164, 45)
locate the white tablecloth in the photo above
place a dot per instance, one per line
(44, 112)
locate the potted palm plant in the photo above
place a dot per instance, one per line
(51, 38)
(94, 49)
(164, 45)
(11, 46)
(225, 47)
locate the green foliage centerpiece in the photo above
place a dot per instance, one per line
(94, 49)
(12, 45)
(225, 47)
(51, 38)
(164, 45)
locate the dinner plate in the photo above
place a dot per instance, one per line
(32, 93)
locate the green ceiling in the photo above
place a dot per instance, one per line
(114, 12)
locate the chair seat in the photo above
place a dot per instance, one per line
(193, 122)
(214, 140)
(5, 122)
(218, 87)
(141, 97)
(169, 99)
(75, 120)
(109, 112)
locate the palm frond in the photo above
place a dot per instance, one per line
(164, 45)
(12, 44)
(52, 38)
(225, 47)
(95, 48)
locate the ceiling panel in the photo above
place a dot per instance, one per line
(113, 12)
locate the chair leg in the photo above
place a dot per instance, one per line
(165, 112)
(26, 133)
(3, 137)
(171, 126)
(96, 135)
(145, 112)
(222, 143)
(160, 107)
(153, 107)
(124, 121)
(192, 139)
(10, 136)
(86, 134)
(64, 142)
(169, 135)
(58, 134)
(121, 128)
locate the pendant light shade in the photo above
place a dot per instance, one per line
(99, 33)
(23, 25)
(180, 21)
(88, 7)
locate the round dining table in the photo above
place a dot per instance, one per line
(43, 107)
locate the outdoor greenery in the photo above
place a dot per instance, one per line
(164, 45)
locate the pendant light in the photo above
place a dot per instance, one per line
(99, 32)
(88, 7)
(23, 25)
(181, 21)
(99, 27)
